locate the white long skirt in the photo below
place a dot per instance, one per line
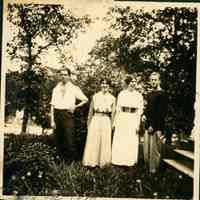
(126, 140)
(97, 150)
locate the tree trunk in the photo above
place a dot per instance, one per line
(28, 83)
(25, 121)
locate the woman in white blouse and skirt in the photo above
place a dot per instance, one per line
(127, 120)
(97, 150)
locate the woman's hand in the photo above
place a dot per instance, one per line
(88, 122)
(150, 130)
(113, 127)
(143, 118)
(72, 109)
(159, 133)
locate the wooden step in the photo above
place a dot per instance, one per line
(187, 144)
(179, 166)
(186, 153)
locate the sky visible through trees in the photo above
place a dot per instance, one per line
(114, 41)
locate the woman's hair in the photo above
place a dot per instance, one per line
(64, 70)
(69, 71)
(106, 80)
(128, 79)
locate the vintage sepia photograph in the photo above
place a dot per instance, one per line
(100, 99)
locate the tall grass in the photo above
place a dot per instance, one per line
(32, 167)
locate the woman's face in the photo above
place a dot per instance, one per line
(132, 84)
(104, 86)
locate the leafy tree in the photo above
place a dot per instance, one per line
(159, 40)
(37, 29)
(13, 85)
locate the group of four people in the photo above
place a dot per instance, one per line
(107, 116)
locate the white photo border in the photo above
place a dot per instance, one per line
(140, 4)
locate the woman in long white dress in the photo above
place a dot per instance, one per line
(127, 120)
(97, 150)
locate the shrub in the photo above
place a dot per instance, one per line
(29, 161)
(32, 167)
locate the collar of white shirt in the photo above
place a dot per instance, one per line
(68, 84)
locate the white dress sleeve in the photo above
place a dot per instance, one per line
(91, 111)
(118, 107)
(113, 111)
(140, 104)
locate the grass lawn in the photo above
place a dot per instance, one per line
(32, 167)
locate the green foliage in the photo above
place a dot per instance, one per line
(31, 167)
(39, 28)
(157, 40)
(13, 85)
(143, 41)
(34, 23)
(80, 120)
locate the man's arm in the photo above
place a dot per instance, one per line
(113, 112)
(117, 110)
(81, 103)
(81, 96)
(144, 115)
(53, 125)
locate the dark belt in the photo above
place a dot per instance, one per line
(105, 113)
(128, 109)
(62, 110)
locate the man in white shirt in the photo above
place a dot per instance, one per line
(63, 105)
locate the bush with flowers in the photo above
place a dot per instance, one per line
(28, 164)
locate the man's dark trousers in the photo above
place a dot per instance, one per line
(64, 134)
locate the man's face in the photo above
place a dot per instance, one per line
(154, 81)
(65, 77)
